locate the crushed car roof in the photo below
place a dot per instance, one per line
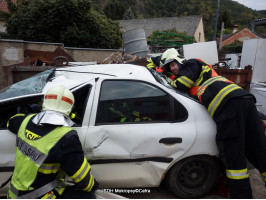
(104, 70)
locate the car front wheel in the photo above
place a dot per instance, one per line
(194, 177)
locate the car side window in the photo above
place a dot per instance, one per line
(81, 97)
(132, 102)
(29, 105)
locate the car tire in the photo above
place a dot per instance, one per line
(194, 177)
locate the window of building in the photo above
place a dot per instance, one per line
(199, 36)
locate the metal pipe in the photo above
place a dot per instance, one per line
(216, 19)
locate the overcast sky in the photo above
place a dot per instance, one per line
(254, 4)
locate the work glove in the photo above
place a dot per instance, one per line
(170, 75)
(168, 80)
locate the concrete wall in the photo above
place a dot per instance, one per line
(11, 53)
(89, 55)
(42, 46)
(14, 64)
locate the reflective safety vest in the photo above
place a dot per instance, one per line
(30, 156)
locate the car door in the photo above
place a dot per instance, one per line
(136, 130)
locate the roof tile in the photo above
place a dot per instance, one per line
(3, 5)
(186, 24)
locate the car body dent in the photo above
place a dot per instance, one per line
(128, 155)
(141, 174)
(139, 147)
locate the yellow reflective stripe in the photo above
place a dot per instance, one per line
(60, 190)
(116, 112)
(11, 195)
(211, 80)
(82, 172)
(90, 185)
(237, 174)
(151, 64)
(220, 96)
(185, 81)
(49, 196)
(49, 168)
(173, 83)
(136, 113)
(201, 91)
(7, 125)
(205, 69)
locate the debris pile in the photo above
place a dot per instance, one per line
(121, 57)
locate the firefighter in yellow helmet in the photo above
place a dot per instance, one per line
(240, 134)
(48, 149)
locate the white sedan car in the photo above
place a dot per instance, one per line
(136, 130)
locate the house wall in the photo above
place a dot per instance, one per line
(2, 28)
(245, 34)
(199, 33)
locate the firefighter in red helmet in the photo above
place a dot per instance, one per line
(48, 149)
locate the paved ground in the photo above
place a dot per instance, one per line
(258, 189)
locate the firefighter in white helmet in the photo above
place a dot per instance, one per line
(157, 62)
(48, 149)
(240, 135)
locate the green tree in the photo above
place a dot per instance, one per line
(235, 47)
(236, 12)
(227, 19)
(71, 22)
(114, 10)
(129, 14)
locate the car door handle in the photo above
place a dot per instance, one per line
(171, 140)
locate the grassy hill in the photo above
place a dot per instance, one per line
(231, 12)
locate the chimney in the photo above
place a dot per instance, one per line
(235, 29)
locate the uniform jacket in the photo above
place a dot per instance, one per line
(67, 153)
(192, 76)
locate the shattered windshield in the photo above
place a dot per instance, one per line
(32, 85)
(162, 79)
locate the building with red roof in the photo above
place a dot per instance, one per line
(4, 7)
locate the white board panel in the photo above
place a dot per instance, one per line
(207, 51)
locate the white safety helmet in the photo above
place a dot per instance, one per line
(168, 53)
(171, 58)
(58, 99)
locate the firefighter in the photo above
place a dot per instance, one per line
(240, 134)
(122, 113)
(157, 62)
(48, 149)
